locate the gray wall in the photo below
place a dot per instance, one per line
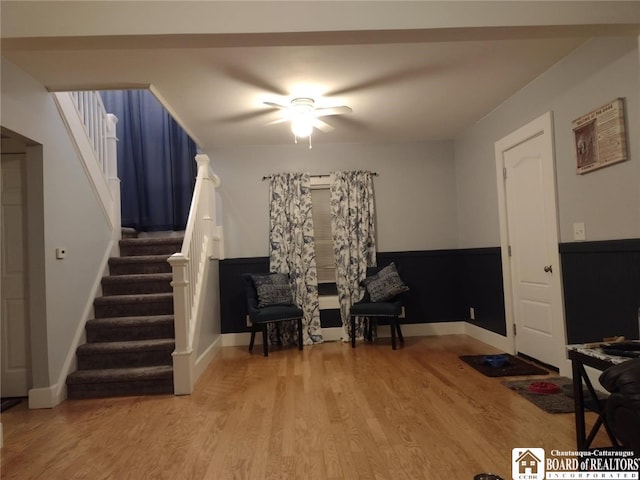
(415, 190)
(71, 217)
(606, 200)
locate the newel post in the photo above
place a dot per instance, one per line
(207, 211)
(182, 356)
(113, 180)
(112, 146)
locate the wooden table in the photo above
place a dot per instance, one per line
(580, 357)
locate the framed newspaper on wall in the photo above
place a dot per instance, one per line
(600, 138)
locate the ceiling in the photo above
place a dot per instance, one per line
(403, 84)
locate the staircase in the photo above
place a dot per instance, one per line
(131, 339)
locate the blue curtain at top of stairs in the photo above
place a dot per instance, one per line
(156, 163)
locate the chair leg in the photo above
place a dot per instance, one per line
(299, 334)
(393, 333)
(400, 337)
(278, 335)
(372, 325)
(265, 340)
(353, 331)
(253, 336)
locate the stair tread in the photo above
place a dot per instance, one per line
(140, 258)
(159, 372)
(152, 240)
(138, 297)
(137, 277)
(126, 321)
(127, 345)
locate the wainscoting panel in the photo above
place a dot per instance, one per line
(480, 287)
(432, 280)
(232, 294)
(443, 285)
(601, 282)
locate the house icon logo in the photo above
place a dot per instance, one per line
(527, 463)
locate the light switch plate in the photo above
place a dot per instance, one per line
(579, 231)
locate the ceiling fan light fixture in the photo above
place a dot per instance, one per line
(302, 126)
(301, 117)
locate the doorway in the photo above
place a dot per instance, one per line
(525, 165)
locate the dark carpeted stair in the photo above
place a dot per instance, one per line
(131, 339)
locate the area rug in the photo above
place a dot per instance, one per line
(515, 367)
(558, 402)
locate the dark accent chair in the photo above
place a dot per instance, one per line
(261, 317)
(372, 311)
(622, 409)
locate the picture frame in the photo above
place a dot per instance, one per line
(600, 137)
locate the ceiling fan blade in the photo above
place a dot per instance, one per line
(322, 126)
(350, 122)
(277, 105)
(325, 111)
(386, 79)
(253, 80)
(240, 117)
(279, 120)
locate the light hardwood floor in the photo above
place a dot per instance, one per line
(328, 412)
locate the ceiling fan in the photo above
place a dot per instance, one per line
(304, 115)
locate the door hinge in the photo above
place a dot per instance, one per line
(514, 329)
(504, 172)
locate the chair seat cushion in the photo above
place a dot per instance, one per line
(275, 313)
(376, 309)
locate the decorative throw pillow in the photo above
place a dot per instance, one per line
(273, 289)
(385, 284)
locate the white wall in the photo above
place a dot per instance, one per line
(72, 220)
(414, 191)
(606, 200)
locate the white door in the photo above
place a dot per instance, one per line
(14, 373)
(532, 262)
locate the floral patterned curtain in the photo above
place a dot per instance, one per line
(354, 244)
(292, 249)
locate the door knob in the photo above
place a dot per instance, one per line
(548, 269)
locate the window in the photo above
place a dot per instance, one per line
(320, 201)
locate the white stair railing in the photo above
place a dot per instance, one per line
(202, 243)
(93, 131)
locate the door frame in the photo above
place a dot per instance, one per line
(21, 158)
(541, 125)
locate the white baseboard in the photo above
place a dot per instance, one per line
(43, 397)
(203, 361)
(239, 339)
(333, 334)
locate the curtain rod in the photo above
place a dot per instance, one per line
(267, 177)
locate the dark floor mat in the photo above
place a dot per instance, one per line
(7, 403)
(513, 368)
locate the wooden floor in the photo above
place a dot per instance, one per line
(328, 412)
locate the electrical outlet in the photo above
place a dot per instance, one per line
(472, 313)
(579, 232)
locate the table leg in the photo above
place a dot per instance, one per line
(578, 401)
